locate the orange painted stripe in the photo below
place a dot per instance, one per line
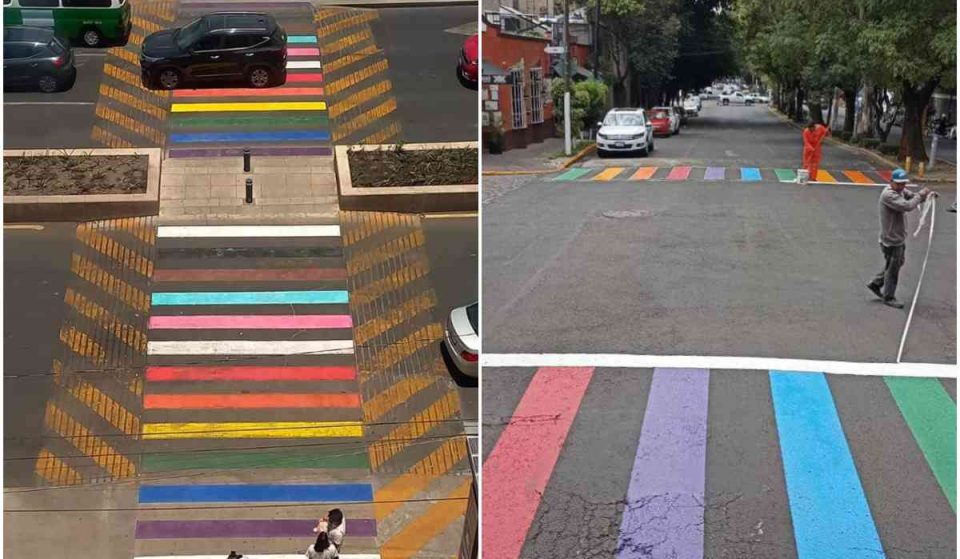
(643, 173)
(608, 174)
(858, 177)
(823, 176)
(248, 401)
(266, 92)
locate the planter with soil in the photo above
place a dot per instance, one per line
(409, 177)
(68, 185)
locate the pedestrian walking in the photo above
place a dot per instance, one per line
(813, 136)
(895, 202)
(335, 525)
(322, 548)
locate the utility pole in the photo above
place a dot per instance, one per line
(596, 43)
(567, 144)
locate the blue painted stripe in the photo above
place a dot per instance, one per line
(749, 174)
(251, 298)
(301, 39)
(335, 493)
(831, 517)
(277, 136)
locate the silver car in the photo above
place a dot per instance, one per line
(625, 130)
(462, 340)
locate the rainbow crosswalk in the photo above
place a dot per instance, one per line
(699, 463)
(680, 173)
(252, 421)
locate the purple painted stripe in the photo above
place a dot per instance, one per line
(664, 510)
(184, 529)
(237, 152)
(714, 174)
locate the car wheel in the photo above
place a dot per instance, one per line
(168, 78)
(258, 77)
(645, 151)
(47, 83)
(725, 102)
(91, 37)
(651, 146)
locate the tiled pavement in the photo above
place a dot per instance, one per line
(682, 173)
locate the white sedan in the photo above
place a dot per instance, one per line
(462, 340)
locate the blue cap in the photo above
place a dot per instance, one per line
(899, 175)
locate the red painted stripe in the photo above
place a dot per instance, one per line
(248, 401)
(885, 175)
(306, 77)
(266, 92)
(276, 274)
(519, 467)
(256, 374)
(679, 174)
(303, 51)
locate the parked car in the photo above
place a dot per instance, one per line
(467, 66)
(33, 57)
(665, 121)
(251, 47)
(623, 131)
(94, 23)
(462, 340)
(692, 105)
(736, 98)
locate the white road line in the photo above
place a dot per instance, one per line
(250, 347)
(450, 215)
(715, 363)
(95, 54)
(25, 227)
(248, 231)
(49, 103)
(300, 64)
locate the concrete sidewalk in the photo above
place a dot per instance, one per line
(534, 157)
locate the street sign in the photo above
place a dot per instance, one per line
(554, 50)
(497, 79)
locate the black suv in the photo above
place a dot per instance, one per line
(222, 46)
(34, 57)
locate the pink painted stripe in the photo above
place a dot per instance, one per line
(271, 92)
(311, 77)
(303, 51)
(679, 174)
(250, 322)
(519, 467)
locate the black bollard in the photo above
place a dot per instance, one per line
(249, 198)
(246, 160)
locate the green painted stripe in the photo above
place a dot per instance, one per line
(932, 417)
(572, 174)
(235, 460)
(256, 121)
(786, 174)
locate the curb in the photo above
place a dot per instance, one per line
(409, 199)
(517, 172)
(86, 207)
(583, 153)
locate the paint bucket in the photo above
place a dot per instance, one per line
(803, 175)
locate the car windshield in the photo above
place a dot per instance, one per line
(188, 35)
(623, 119)
(660, 114)
(474, 317)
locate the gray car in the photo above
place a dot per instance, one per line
(462, 340)
(34, 58)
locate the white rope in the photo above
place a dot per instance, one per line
(933, 217)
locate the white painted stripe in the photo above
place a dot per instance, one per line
(258, 556)
(25, 227)
(716, 363)
(302, 64)
(248, 231)
(249, 347)
(49, 103)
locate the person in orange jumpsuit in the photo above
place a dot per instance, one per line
(813, 136)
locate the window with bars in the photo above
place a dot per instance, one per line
(517, 99)
(535, 93)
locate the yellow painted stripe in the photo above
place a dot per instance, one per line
(132, 124)
(420, 424)
(858, 177)
(109, 284)
(823, 176)
(354, 78)
(365, 119)
(401, 349)
(367, 224)
(83, 345)
(251, 430)
(327, 13)
(392, 496)
(359, 98)
(395, 247)
(116, 251)
(370, 292)
(329, 29)
(139, 227)
(126, 333)
(55, 471)
(342, 43)
(248, 107)
(108, 139)
(133, 102)
(384, 135)
(87, 443)
(409, 309)
(125, 55)
(351, 58)
(415, 535)
(132, 79)
(145, 24)
(378, 406)
(608, 174)
(106, 407)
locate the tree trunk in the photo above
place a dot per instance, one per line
(798, 116)
(915, 101)
(849, 109)
(864, 127)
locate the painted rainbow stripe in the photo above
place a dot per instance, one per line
(251, 322)
(246, 231)
(257, 374)
(248, 107)
(264, 493)
(304, 77)
(274, 92)
(572, 174)
(714, 174)
(679, 173)
(644, 173)
(256, 401)
(250, 298)
(303, 64)
(248, 274)
(252, 430)
(250, 347)
(301, 39)
(750, 174)
(208, 529)
(262, 556)
(303, 51)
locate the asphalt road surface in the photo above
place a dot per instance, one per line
(710, 267)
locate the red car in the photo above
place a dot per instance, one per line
(467, 67)
(665, 121)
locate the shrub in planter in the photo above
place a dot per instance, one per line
(843, 135)
(871, 143)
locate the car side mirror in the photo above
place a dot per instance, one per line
(599, 124)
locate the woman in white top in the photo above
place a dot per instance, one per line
(322, 548)
(334, 525)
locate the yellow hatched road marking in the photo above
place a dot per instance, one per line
(359, 98)
(106, 407)
(126, 55)
(81, 344)
(248, 107)
(135, 39)
(338, 45)
(374, 290)
(373, 223)
(252, 430)
(396, 316)
(365, 119)
(109, 139)
(111, 248)
(145, 24)
(139, 227)
(327, 13)
(133, 102)
(55, 471)
(345, 23)
(96, 275)
(89, 444)
(127, 333)
(129, 123)
(130, 78)
(381, 136)
(411, 539)
(395, 247)
(345, 60)
(420, 424)
(410, 344)
(354, 78)
(393, 495)
(396, 394)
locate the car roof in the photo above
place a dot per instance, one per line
(236, 21)
(634, 110)
(24, 34)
